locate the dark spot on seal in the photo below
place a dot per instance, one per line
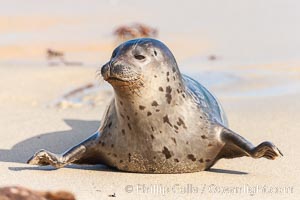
(123, 131)
(168, 79)
(174, 78)
(166, 152)
(207, 160)
(181, 122)
(152, 137)
(160, 131)
(112, 195)
(152, 128)
(176, 127)
(201, 117)
(112, 145)
(142, 107)
(168, 73)
(203, 136)
(149, 113)
(168, 89)
(155, 53)
(201, 160)
(183, 95)
(129, 126)
(174, 69)
(209, 145)
(115, 155)
(129, 157)
(155, 76)
(154, 157)
(121, 161)
(122, 115)
(157, 110)
(187, 142)
(121, 103)
(191, 157)
(109, 125)
(154, 103)
(174, 140)
(161, 89)
(168, 94)
(166, 120)
(103, 144)
(128, 117)
(176, 160)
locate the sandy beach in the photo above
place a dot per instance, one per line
(245, 52)
(28, 124)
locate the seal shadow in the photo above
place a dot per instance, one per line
(60, 141)
(81, 167)
(56, 142)
(226, 171)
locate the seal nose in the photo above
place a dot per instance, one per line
(105, 71)
(117, 69)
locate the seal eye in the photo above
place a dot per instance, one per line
(139, 57)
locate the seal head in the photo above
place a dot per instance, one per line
(137, 64)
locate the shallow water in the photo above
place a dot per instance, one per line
(256, 43)
(222, 81)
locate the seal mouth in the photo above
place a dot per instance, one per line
(111, 79)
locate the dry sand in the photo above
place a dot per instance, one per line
(27, 124)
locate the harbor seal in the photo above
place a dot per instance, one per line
(159, 121)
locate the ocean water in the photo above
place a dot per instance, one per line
(256, 43)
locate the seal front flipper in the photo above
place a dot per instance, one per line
(237, 146)
(79, 154)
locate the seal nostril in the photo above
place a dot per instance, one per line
(139, 57)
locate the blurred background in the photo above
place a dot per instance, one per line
(247, 52)
(237, 48)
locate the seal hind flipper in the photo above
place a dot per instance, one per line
(237, 146)
(79, 154)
